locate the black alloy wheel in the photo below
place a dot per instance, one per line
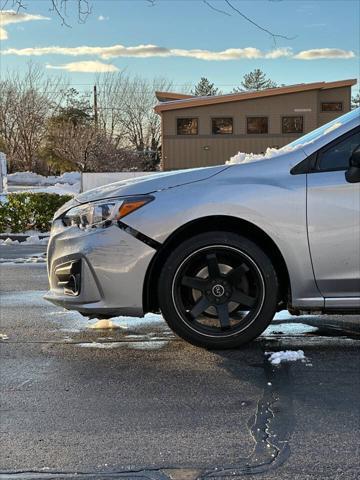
(219, 290)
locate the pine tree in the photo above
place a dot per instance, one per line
(255, 80)
(355, 101)
(204, 88)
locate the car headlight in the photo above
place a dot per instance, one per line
(103, 213)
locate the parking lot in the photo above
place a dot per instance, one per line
(128, 399)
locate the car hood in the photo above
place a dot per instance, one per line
(149, 184)
(144, 185)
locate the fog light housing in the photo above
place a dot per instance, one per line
(68, 277)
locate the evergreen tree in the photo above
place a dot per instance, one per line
(355, 101)
(255, 80)
(204, 88)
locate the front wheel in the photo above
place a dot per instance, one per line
(218, 290)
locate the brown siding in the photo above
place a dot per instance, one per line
(334, 95)
(207, 149)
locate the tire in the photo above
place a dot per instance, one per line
(218, 290)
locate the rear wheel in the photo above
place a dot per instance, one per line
(218, 290)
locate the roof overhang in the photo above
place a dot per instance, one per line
(191, 101)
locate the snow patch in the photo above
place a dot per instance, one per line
(107, 345)
(31, 178)
(105, 325)
(31, 240)
(151, 345)
(130, 322)
(242, 157)
(27, 260)
(289, 329)
(275, 358)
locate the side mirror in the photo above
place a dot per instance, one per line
(352, 175)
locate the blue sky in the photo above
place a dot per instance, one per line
(187, 32)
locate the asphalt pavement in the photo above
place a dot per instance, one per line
(127, 399)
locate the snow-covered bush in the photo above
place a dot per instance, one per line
(29, 211)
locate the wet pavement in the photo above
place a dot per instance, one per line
(125, 398)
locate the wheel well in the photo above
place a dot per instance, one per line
(207, 224)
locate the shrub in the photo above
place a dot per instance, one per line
(29, 211)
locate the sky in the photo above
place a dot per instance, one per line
(185, 40)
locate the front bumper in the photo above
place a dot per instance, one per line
(108, 267)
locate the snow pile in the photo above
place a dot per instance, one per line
(242, 157)
(149, 345)
(26, 260)
(31, 240)
(58, 188)
(275, 358)
(150, 319)
(31, 178)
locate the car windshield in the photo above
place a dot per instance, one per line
(327, 128)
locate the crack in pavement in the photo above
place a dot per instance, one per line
(271, 428)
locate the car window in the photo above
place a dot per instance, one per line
(337, 156)
(324, 129)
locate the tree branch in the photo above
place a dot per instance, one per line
(218, 10)
(248, 19)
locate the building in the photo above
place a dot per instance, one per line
(203, 131)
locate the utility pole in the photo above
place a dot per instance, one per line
(95, 108)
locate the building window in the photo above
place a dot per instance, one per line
(257, 125)
(331, 107)
(187, 126)
(292, 124)
(222, 126)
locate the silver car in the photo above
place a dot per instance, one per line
(219, 250)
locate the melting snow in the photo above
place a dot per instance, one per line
(104, 325)
(289, 329)
(101, 345)
(150, 345)
(275, 358)
(129, 322)
(30, 240)
(31, 178)
(242, 157)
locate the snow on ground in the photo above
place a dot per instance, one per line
(31, 178)
(128, 322)
(150, 345)
(58, 188)
(275, 358)
(25, 260)
(66, 184)
(287, 328)
(30, 240)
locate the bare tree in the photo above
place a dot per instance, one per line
(89, 149)
(126, 110)
(26, 102)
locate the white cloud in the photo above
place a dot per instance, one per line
(8, 17)
(318, 53)
(85, 67)
(101, 18)
(147, 51)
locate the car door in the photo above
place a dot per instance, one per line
(333, 220)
